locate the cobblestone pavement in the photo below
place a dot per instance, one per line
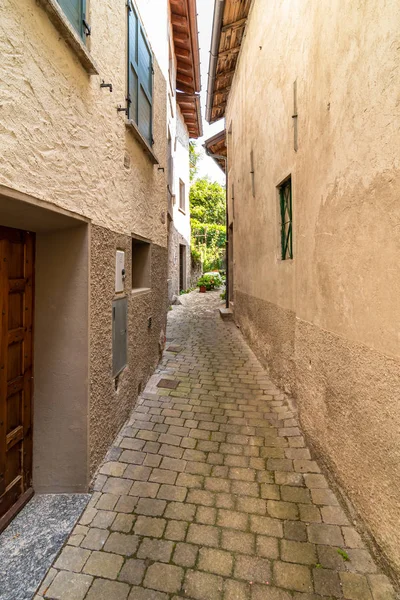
(209, 492)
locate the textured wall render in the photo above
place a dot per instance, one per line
(109, 407)
(62, 139)
(350, 407)
(270, 331)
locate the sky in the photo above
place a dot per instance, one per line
(205, 11)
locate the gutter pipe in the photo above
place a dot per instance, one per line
(215, 38)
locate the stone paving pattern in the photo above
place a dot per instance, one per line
(210, 493)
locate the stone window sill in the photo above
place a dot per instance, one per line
(131, 125)
(140, 291)
(69, 34)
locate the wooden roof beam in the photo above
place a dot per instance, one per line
(184, 68)
(182, 52)
(184, 78)
(179, 21)
(223, 90)
(234, 25)
(233, 50)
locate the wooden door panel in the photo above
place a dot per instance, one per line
(16, 319)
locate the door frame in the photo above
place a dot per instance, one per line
(29, 238)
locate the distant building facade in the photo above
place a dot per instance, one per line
(308, 93)
(184, 123)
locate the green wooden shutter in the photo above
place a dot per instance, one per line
(133, 66)
(74, 10)
(140, 77)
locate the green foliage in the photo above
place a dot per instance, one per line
(210, 281)
(343, 554)
(223, 295)
(194, 158)
(207, 209)
(207, 202)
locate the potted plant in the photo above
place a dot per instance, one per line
(209, 281)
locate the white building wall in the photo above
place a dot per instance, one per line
(156, 21)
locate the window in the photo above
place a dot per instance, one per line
(75, 11)
(285, 201)
(140, 76)
(141, 264)
(182, 199)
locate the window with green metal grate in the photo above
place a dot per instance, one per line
(285, 200)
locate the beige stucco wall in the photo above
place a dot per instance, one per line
(63, 142)
(62, 138)
(110, 405)
(326, 323)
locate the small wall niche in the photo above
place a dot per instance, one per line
(141, 264)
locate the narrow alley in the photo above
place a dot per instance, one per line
(209, 491)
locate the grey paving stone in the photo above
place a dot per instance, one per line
(293, 577)
(69, 586)
(165, 578)
(95, 539)
(215, 561)
(122, 543)
(155, 549)
(185, 555)
(251, 568)
(108, 590)
(133, 571)
(149, 526)
(203, 535)
(72, 559)
(203, 586)
(103, 564)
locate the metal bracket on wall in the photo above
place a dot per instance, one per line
(295, 116)
(106, 85)
(252, 174)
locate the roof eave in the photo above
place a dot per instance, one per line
(215, 41)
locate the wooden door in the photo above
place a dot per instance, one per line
(182, 267)
(16, 376)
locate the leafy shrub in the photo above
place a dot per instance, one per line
(210, 281)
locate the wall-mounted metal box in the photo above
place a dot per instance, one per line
(120, 335)
(119, 271)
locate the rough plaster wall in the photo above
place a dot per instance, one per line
(110, 407)
(62, 138)
(349, 397)
(174, 240)
(344, 282)
(270, 330)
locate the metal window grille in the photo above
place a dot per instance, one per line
(285, 199)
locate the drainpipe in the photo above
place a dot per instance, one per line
(215, 37)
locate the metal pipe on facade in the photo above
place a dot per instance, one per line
(215, 37)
